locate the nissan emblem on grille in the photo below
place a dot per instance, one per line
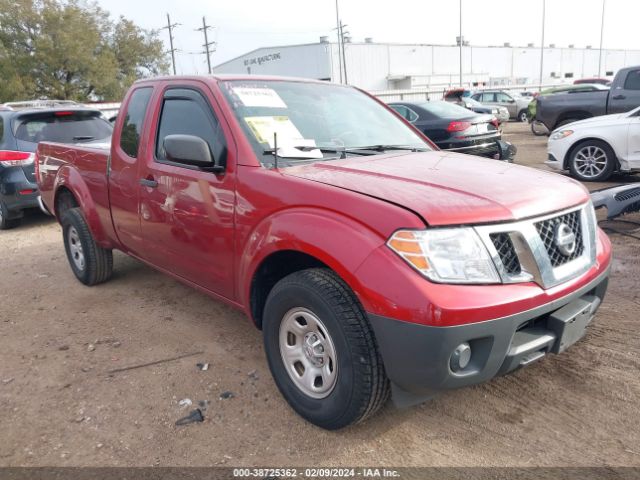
(565, 239)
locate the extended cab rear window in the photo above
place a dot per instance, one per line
(62, 127)
(633, 80)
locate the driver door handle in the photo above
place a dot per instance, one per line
(148, 182)
(619, 97)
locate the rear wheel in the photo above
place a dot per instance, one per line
(522, 116)
(539, 129)
(321, 350)
(592, 161)
(566, 121)
(90, 263)
(5, 222)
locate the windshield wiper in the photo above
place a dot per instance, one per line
(83, 137)
(384, 148)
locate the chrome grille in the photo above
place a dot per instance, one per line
(507, 252)
(547, 231)
(525, 250)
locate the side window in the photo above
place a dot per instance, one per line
(402, 110)
(132, 125)
(488, 97)
(633, 80)
(412, 116)
(186, 112)
(503, 98)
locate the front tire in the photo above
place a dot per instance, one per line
(321, 350)
(592, 161)
(90, 263)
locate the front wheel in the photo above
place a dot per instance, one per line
(321, 350)
(90, 263)
(592, 161)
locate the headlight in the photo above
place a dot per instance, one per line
(446, 255)
(560, 134)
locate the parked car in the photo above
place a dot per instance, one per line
(595, 148)
(514, 103)
(372, 262)
(456, 97)
(20, 132)
(563, 108)
(456, 129)
(584, 87)
(593, 80)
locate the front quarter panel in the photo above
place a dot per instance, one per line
(340, 228)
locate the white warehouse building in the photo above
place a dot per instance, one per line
(390, 66)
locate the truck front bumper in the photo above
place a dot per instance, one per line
(420, 359)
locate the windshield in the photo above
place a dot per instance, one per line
(445, 109)
(313, 121)
(62, 127)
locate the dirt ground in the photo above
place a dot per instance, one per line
(60, 406)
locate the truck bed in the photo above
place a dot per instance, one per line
(90, 162)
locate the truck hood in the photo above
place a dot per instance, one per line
(446, 188)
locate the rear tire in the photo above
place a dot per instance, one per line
(5, 222)
(539, 129)
(566, 121)
(342, 383)
(90, 263)
(522, 116)
(592, 161)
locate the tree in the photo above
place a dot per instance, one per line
(72, 50)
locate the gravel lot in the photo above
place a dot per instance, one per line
(59, 405)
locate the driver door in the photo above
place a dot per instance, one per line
(187, 213)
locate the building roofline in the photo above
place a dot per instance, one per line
(408, 44)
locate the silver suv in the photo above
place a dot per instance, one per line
(513, 102)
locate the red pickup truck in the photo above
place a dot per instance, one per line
(374, 263)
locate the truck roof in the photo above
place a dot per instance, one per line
(229, 76)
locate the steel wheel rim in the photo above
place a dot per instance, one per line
(75, 248)
(590, 161)
(523, 117)
(308, 353)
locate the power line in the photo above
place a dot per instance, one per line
(207, 43)
(170, 26)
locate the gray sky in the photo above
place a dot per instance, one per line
(244, 25)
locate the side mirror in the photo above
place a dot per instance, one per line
(190, 150)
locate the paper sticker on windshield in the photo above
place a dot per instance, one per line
(291, 143)
(259, 97)
(264, 127)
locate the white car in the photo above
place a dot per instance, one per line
(595, 148)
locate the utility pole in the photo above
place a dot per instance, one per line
(461, 43)
(544, 5)
(170, 26)
(207, 43)
(339, 33)
(601, 36)
(344, 53)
